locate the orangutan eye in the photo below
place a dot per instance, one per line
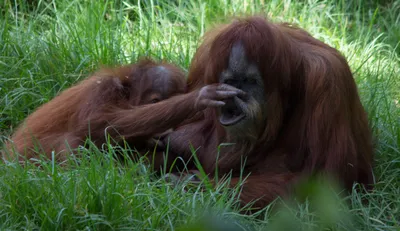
(251, 81)
(155, 100)
(230, 81)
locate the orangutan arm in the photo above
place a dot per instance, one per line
(148, 120)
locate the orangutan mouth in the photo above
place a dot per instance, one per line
(231, 114)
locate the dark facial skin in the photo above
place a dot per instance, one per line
(163, 85)
(242, 115)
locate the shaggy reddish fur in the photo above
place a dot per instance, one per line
(118, 102)
(316, 123)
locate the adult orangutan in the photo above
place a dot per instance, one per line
(132, 103)
(301, 116)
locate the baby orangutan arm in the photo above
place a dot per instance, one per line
(150, 119)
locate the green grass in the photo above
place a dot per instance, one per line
(46, 46)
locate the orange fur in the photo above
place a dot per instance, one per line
(115, 101)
